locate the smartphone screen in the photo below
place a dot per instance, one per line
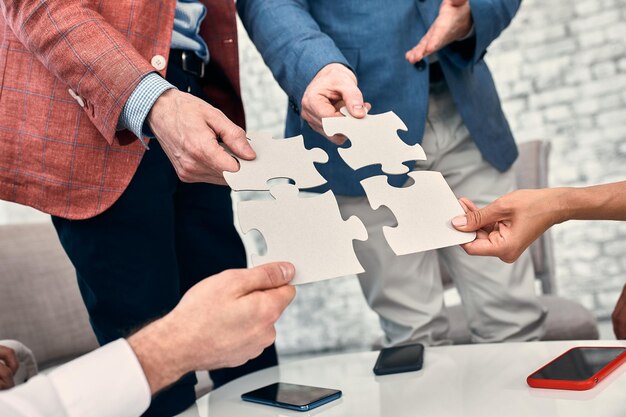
(400, 359)
(292, 396)
(579, 364)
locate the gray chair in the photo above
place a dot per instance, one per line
(567, 319)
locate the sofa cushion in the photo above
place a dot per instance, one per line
(40, 304)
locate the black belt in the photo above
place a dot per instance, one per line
(435, 73)
(188, 61)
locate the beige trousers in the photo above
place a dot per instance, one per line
(406, 291)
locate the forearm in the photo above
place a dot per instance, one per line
(77, 45)
(290, 41)
(601, 202)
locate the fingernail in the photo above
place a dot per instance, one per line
(288, 271)
(358, 110)
(459, 221)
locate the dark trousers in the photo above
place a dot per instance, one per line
(134, 261)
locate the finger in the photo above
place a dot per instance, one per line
(353, 98)
(469, 204)
(439, 32)
(418, 52)
(268, 276)
(8, 356)
(338, 139)
(463, 205)
(476, 219)
(281, 297)
(458, 3)
(6, 377)
(232, 135)
(619, 316)
(219, 159)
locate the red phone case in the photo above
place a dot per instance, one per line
(577, 385)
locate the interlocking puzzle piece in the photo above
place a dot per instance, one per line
(308, 232)
(277, 158)
(374, 140)
(423, 211)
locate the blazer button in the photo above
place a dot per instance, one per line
(293, 106)
(76, 97)
(158, 62)
(420, 65)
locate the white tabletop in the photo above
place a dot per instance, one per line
(470, 380)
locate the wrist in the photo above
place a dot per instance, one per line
(335, 67)
(161, 108)
(156, 349)
(565, 202)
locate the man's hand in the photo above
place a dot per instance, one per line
(453, 23)
(619, 316)
(8, 367)
(223, 321)
(332, 88)
(506, 227)
(188, 129)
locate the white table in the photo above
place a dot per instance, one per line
(471, 380)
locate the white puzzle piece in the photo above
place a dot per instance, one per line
(277, 158)
(308, 232)
(374, 140)
(423, 211)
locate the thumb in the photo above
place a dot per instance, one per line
(353, 98)
(476, 219)
(268, 276)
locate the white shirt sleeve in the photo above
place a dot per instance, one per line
(27, 365)
(108, 382)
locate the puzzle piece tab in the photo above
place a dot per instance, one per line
(423, 211)
(308, 232)
(277, 158)
(374, 140)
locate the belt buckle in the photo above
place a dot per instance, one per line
(184, 56)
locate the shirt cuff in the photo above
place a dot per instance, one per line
(471, 33)
(104, 383)
(140, 103)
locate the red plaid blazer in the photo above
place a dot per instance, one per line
(67, 68)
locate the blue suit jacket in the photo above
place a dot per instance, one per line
(297, 38)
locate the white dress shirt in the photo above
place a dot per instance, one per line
(108, 382)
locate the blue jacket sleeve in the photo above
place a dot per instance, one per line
(490, 17)
(290, 41)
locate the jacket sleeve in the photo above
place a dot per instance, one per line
(76, 44)
(292, 44)
(490, 17)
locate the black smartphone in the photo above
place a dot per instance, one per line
(292, 396)
(400, 359)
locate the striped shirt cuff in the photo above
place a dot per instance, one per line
(140, 103)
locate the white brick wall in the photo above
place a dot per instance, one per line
(571, 90)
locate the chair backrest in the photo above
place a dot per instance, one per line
(531, 170)
(40, 304)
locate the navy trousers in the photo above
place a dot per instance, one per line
(134, 261)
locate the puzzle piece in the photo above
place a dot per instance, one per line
(374, 140)
(277, 158)
(308, 232)
(423, 212)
